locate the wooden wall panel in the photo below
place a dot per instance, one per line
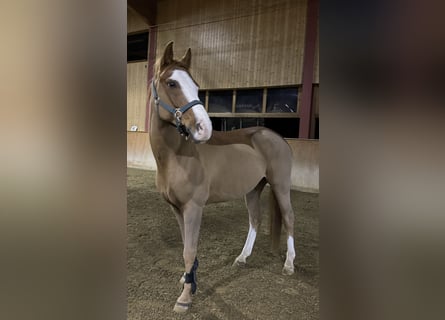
(305, 164)
(139, 154)
(237, 43)
(135, 22)
(136, 94)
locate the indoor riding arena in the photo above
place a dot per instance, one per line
(256, 64)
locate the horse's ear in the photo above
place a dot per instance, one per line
(187, 58)
(167, 58)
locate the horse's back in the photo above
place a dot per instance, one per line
(265, 140)
(273, 154)
(240, 136)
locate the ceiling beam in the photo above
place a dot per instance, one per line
(146, 8)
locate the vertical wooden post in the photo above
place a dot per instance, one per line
(207, 101)
(152, 33)
(264, 105)
(233, 101)
(308, 69)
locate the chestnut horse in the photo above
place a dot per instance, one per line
(212, 166)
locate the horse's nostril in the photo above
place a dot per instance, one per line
(199, 127)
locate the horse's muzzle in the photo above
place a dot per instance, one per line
(202, 130)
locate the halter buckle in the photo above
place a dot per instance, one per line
(178, 114)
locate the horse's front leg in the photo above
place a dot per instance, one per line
(192, 215)
(180, 219)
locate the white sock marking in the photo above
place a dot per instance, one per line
(290, 251)
(248, 246)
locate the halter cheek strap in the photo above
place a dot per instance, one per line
(176, 112)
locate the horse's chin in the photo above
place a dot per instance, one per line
(200, 138)
(199, 141)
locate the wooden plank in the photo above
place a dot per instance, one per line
(139, 154)
(254, 115)
(305, 164)
(135, 22)
(145, 8)
(234, 101)
(237, 44)
(264, 105)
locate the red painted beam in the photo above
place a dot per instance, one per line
(152, 35)
(308, 69)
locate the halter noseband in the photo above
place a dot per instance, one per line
(176, 112)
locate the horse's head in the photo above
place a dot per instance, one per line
(177, 93)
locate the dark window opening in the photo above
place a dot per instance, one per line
(249, 101)
(137, 47)
(217, 124)
(317, 128)
(252, 122)
(286, 127)
(220, 101)
(229, 124)
(202, 96)
(282, 100)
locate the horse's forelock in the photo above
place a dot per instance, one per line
(175, 65)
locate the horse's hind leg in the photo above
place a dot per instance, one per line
(253, 207)
(282, 194)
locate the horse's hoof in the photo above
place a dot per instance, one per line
(239, 263)
(287, 271)
(182, 307)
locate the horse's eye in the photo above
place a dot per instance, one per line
(171, 84)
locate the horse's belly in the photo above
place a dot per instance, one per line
(234, 170)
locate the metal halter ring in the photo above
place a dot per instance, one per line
(178, 114)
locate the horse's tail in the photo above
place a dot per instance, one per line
(275, 222)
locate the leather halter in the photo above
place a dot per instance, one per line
(176, 112)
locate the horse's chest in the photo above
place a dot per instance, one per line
(178, 185)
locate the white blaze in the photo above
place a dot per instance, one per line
(203, 130)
